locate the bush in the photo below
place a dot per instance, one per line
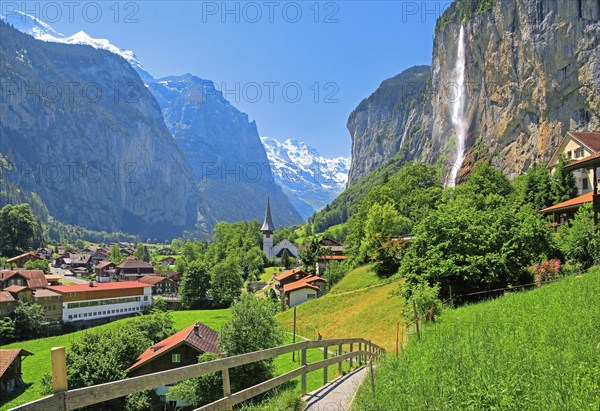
(579, 241)
(547, 271)
(426, 300)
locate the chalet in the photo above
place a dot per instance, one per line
(20, 293)
(20, 260)
(132, 269)
(167, 261)
(44, 252)
(75, 260)
(34, 279)
(307, 288)
(160, 285)
(178, 350)
(332, 247)
(99, 256)
(51, 302)
(10, 370)
(104, 271)
(174, 276)
(53, 279)
(565, 211)
(288, 277)
(103, 300)
(8, 303)
(575, 146)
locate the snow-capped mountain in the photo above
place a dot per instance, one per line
(310, 180)
(39, 30)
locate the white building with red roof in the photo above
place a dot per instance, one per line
(103, 300)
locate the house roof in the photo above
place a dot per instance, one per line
(588, 139)
(45, 293)
(289, 273)
(168, 274)
(82, 288)
(333, 257)
(586, 162)
(6, 297)
(34, 278)
(24, 255)
(7, 357)
(132, 262)
(102, 265)
(152, 279)
(204, 340)
(15, 288)
(79, 258)
(569, 204)
(167, 258)
(298, 285)
(313, 278)
(328, 242)
(268, 225)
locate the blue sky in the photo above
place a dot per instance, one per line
(297, 68)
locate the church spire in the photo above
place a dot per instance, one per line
(268, 226)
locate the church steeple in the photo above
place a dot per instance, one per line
(268, 227)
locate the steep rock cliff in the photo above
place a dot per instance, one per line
(532, 73)
(80, 129)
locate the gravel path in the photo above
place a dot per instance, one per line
(338, 394)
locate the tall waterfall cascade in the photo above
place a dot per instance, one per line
(458, 106)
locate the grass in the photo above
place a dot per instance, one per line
(534, 350)
(361, 277)
(265, 277)
(370, 313)
(36, 366)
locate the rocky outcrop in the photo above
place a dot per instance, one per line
(223, 147)
(386, 120)
(532, 74)
(80, 129)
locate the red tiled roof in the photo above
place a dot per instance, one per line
(590, 140)
(297, 286)
(8, 356)
(152, 279)
(82, 288)
(334, 257)
(204, 341)
(289, 273)
(6, 297)
(572, 203)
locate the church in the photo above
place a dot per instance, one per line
(269, 249)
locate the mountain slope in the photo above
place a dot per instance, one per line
(229, 162)
(310, 180)
(98, 156)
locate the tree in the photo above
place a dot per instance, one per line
(309, 253)
(563, 183)
(7, 330)
(252, 327)
(115, 256)
(285, 259)
(225, 282)
(159, 304)
(579, 241)
(334, 272)
(27, 320)
(539, 187)
(17, 229)
(37, 265)
(80, 244)
(141, 253)
(195, 285)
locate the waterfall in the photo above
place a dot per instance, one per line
(458, 108)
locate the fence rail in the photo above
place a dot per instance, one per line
(66, 400)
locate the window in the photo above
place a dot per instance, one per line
(568, 155)
(176, 358)
(584, 184)
(579, 152)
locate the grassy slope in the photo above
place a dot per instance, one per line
(353, 308)
(35, 367)
(265, 277)
(528, 351)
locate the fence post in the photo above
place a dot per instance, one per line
(372, 377)
(59, 369)
(340, 363)
(304, 374)
(359, 356)
(226, 387)
(325, 368)
(416, 319)
(351, 357)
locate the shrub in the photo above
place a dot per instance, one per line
(579, 242)
(547, 271)
(426, 300)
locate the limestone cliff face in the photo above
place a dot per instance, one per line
(532, 73)
(80, 129)
(385, 121)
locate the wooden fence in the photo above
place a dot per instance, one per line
(65, 400)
